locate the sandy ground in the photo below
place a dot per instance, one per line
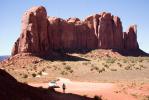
(108, 91)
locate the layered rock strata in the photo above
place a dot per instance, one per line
(42, 34)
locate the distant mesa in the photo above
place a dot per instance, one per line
(42, 35)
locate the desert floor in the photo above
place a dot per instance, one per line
(102, 73)
(107, 91)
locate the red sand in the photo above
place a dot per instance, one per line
(108, 91)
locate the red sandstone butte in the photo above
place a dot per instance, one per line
(42, 34)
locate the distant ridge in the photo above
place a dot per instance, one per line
(3, 57)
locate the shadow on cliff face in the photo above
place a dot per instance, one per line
(11, 89)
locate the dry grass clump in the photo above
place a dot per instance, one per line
(119, 64)
(86, 63)
(64, 73)
(128, 67)
(34, 75)
(106, 65)
(25, 76)
(111, 60)
(99, 70)
(113, 69)
(68, 69)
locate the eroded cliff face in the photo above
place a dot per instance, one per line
(130, 38)
(42, 34)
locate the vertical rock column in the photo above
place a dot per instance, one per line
(34, 36)
(130, 38)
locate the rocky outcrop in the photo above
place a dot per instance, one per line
(130, 38)
(42, 34)
(34, 35)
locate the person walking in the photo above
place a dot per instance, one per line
(64, 87)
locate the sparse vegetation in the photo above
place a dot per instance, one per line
(119, 64)
(34, 75)
(101, 70)
(128, 67)
(105, 65)
(97, 97)
(64, 73)
(94, 65)
(86, 63)
(113, 69)
(124, 61)
(68, 68)
(40, 72)
(25, 76)
(142, 66)
(111, 60)
(63, 63)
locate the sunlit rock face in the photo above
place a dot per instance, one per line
(42, 34)
(130, 38)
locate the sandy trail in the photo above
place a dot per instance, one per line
(108, 91)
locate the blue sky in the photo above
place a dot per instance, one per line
(130, 12)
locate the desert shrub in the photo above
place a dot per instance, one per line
(132, 64)
(128, 67)
(48, 66)
(25, 76)
(101, 70)
(43, 70)
(63, 63)
(132, 61)
(86, 63)
(105, 65)
(35, 68)
(55, 67)
(112, 69)
(124, 61)
(68, 68)
(146, 97)
(96, 68)
(91, 69)
(40, 72)
(97, 97)
(141, 66)
(140, 60)
(34, 75)
(110, 60)
(137, 68)
(71, 71)
(64, 73)
(119, 64)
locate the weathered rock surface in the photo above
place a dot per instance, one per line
(42, 34)
(130, 38)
